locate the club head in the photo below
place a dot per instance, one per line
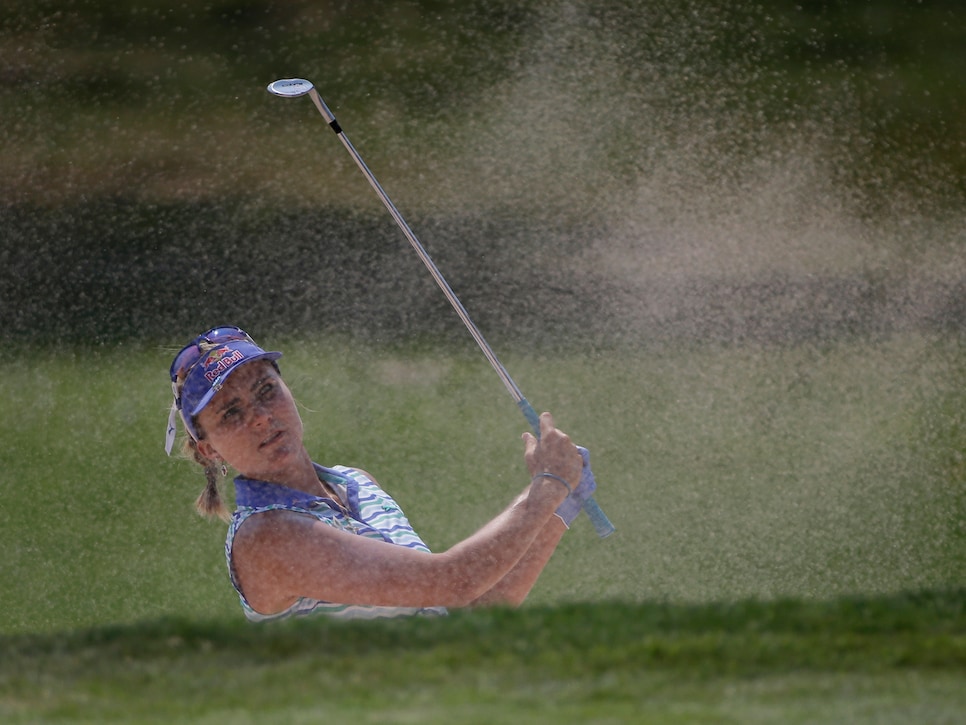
(290, 87)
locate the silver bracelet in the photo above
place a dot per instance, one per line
(555, 477)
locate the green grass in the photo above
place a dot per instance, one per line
(890, 659)
(791, 543)
(730, 472)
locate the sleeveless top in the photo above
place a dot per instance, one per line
(371, 512)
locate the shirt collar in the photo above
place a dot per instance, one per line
(251, 493)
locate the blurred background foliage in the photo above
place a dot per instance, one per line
(140, 152)
(122, 97)
(121, 69)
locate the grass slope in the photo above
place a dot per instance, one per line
(896, 659)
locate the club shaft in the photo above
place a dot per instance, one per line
(417, 246)
(600, 521)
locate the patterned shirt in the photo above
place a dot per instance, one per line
(371, 512)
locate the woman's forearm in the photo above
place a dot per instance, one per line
(513, 588)
(506, 554)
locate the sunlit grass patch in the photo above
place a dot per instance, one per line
(730, 472)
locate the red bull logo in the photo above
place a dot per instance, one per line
(218, 361)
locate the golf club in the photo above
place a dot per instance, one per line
(295, 87)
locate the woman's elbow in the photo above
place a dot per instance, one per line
(460, 586)
(460, 593)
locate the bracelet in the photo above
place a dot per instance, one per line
(555, 478)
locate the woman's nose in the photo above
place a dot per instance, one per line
(261, 414)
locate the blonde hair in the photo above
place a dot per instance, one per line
(209, 503)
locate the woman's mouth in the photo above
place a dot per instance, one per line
(273, 438)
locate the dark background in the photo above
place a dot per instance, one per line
(150, 186)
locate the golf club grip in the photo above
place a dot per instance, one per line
(595, 513)
(598, 518)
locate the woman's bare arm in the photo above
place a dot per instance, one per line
(513, 588)
(282, 555)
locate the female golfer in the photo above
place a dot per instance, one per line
(305, 537)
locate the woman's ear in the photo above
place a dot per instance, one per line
(208, 451)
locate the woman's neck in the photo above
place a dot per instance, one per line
(301, 476)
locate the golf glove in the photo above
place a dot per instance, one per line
(568, 510)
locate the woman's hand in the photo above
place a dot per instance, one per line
(553, 454)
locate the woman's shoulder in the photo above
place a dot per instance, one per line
(270, 526)
(271, 518)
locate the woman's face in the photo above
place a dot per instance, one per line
(252, 424)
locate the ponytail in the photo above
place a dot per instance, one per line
(209, 503)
